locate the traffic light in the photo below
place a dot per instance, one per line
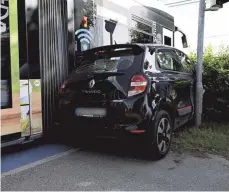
(221, 2)
(217, 3)
(84, 23)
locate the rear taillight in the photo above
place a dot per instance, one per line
(138, 85)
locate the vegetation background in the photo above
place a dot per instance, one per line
(216, 84)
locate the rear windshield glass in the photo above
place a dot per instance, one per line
(108, 59)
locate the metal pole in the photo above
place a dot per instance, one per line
(111, 38)
(199, 68)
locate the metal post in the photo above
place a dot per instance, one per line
(111, 38)
(199, 68)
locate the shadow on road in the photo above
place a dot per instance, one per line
(125, 148)
(21, 147)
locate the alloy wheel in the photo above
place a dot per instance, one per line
(163, 135)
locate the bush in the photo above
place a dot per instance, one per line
(216, 84)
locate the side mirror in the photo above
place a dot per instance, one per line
(184, 41)
(183, 38)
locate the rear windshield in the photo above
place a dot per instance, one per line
(108, 59)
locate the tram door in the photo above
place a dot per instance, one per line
(29, 68)
(21, 109)
(10, 90)
(35, 43)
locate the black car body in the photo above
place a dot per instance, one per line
(136, 88)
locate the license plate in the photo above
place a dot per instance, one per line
(90, 112)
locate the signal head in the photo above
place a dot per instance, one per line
(85, 22)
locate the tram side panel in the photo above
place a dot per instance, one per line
(10, 87)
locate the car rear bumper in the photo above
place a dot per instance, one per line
(122, 115)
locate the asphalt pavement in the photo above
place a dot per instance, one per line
(107, 166)
(21, 155)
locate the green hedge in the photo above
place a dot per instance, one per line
(216, 84)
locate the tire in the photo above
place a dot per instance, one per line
(158, 136)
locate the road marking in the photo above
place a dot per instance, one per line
(34, 164)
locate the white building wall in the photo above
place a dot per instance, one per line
(121, 33)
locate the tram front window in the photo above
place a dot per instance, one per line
(6, 91)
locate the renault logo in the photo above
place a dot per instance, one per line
(91, 83)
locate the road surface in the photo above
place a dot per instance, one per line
(108, 166)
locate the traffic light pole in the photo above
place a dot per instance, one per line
(111, 38)
(199, 67)
(110, 27)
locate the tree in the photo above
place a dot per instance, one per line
(89, 10)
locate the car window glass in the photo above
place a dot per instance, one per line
(185, 61)
(149, 62)
(168, 60)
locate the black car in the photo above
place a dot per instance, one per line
(142, 89)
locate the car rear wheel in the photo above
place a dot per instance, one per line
(159, 136)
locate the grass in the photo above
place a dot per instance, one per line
(208, 138)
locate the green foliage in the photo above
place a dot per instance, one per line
(216, 83)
